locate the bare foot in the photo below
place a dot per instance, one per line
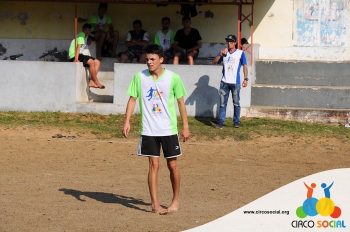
(92, 84)
(174, 206)
(160, 210)
(172, 210)
(100, 86)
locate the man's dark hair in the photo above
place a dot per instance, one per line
(137, 21)
(165, 19)
(154, 49)
(244, 41)
(87, 26)
(103, 6)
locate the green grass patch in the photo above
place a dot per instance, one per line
(110, 126)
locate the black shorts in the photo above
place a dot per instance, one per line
(134, 53)
(84, 59)
(150, 146)
(183, 55)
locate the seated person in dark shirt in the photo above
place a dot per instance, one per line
(136, 40)
(187, 42)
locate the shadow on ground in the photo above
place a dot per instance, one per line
(129, 202)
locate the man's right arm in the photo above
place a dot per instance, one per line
(77, 51)
(129, 42)
(216, 59)
(129, 110)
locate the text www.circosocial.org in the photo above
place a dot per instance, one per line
(285, 212)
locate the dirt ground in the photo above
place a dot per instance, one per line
(79, 183)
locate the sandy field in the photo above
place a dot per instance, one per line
(53, 180)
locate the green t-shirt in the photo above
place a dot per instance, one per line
(164, 40)
(94, 20)
(81, 40)
(157, 101)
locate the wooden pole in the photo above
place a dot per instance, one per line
(239, 24)
(75, 25)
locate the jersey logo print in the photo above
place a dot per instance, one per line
(153, 94)
(150, 93)
(156, 108)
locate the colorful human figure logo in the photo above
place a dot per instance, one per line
(153, 94)
(323, 206)
(156, 108)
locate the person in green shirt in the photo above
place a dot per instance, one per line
(76, 49)
(165, 39)
(103, 32)
(158, 90)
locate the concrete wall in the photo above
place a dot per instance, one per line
(282, 37)
(302, 84)
(60, 86)
(32, 49)
(37, 86)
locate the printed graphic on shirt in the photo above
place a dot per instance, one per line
(154, 97)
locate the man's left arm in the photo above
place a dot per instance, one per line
(245, 74)
(245, 70)
(185, 132)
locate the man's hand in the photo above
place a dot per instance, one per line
(224, 52)
(126, 129)
(129, 109)
(245, 83)
(185, 133)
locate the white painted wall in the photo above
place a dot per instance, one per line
(60, 86)
(276, 33)
(37, 86)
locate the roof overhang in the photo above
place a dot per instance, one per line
(154, 2)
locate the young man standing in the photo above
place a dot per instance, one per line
(77, 46)
(158, 89)
(232, 59)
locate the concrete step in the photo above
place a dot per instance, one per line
(99, 108)
(107, 64)
(322, 115)
(302, 73)
(301, 96)
(106, 94)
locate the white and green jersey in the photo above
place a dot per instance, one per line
(164, 40)
(157, 100)
(82, 41)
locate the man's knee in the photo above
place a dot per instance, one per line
(172, 165)
(97, 62)
(154, 164)
(90, 62)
